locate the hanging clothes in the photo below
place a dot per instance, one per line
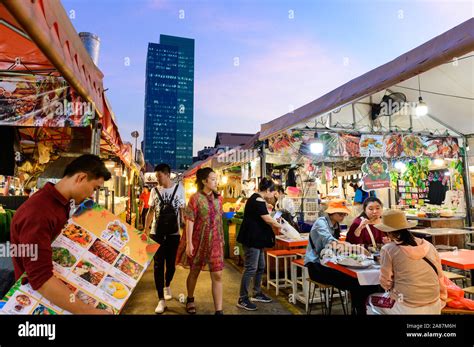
(437, 192)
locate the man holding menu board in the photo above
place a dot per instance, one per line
(40, 220)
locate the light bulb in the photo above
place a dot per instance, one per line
(224, 179)
(421, 109)
(316, 148)
(400, 166)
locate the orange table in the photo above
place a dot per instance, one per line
(342, 269)
(290, 244)
(462, 259)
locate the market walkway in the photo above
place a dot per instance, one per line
(144, 299)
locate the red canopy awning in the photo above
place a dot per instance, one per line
(40, 35)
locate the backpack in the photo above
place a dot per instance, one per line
(167, 221)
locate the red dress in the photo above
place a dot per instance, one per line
(208, 234)
(364, 238)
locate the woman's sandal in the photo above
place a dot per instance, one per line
(190, 307)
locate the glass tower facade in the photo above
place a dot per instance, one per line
(169, 102)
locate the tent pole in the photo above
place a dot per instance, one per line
(467, 185)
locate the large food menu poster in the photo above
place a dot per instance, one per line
(100, 258)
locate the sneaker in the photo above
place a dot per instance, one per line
(246, 304)
(167, 291)
(161, 307)
(261, 298)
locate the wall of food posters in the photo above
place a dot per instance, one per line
(391, 145)
(42, 101)
(100, 258)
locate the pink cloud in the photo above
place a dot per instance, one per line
(290, 73)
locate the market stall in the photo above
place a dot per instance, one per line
(406, 121)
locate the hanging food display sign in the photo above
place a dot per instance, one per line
(285, 143)
(372, 146)
(350, 145)
(393, 145)
(375, 174)
(446, 148)
(331, 144)
(413, 146)
(100, 258)
(42, 101)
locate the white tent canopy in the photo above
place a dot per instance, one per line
(445, 67)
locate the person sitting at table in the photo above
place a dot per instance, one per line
(324, 234)
(362, 230)
(411, 271)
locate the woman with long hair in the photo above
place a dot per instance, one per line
(362, 230)
(202, 245)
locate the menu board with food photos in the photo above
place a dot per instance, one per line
(99, 257)
(372, 146)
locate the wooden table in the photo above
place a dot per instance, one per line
(285, 243)
(445, 234)
(440, 222)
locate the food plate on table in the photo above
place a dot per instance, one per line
(358, 261)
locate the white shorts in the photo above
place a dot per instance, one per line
(400, 308)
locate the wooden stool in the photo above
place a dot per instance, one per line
(469, 291)
(455, 277)
(277, 281)
(326, 294)
(449, 310)
(296, 280)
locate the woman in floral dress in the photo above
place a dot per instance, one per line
(202, 245)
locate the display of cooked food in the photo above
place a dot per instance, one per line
(355, 260)
(89, 272)
(77, 234)
(393, 145)
(63, 257)
(23, 300)
(104, 251)
(86, 299)
(351, 145)
(115, 288)
(412, 146)
(105, 307)
(43, 311)
(129, 267)
(119, 230)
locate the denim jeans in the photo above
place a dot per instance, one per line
(254, 267)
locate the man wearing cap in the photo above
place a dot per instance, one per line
(325, 234)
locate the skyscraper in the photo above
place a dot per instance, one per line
(169, 102)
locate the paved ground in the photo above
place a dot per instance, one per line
(144, 299)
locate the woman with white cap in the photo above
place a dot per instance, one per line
(411, 271)
(325, 234)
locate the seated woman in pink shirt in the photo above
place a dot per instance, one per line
(362, 230)
(410, 271)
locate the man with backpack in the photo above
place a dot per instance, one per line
(162, 223)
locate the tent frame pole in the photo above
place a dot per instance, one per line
(466, 182)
